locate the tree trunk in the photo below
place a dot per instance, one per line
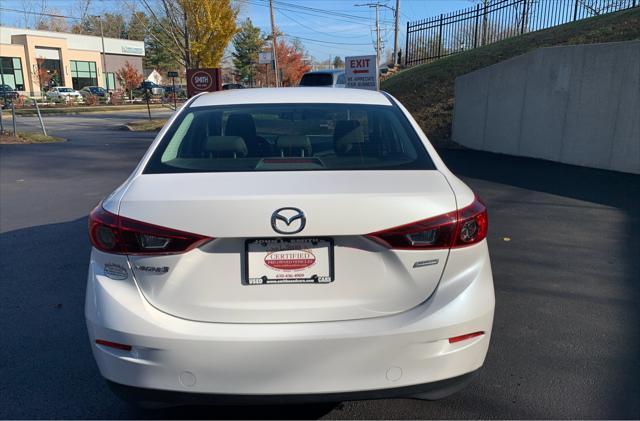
(187, 55)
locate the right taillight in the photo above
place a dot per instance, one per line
(116, 234)
(454, 229)
(472, 224)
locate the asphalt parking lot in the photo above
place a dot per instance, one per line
(565, 251)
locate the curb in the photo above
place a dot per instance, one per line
(53, 111)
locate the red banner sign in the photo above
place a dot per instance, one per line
(203, 80)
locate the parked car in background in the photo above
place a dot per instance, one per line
(8, 92)
(324, 78)
(148, 86)
(179, 90)
(227, 86)
(94, 90)
(62, 93)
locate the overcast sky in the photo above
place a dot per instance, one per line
(340, 28)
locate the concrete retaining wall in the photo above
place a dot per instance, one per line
(574, 104)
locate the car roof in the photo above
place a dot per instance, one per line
(301, 95)
(331, 71)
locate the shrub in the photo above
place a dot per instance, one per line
(91, 100)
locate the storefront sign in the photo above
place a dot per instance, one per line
(132, 50)
(203, 80)
(361, 72)
(264, 58)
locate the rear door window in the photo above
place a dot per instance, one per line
(317, 79)
(288, 137)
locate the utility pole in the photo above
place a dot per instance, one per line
(377, 36)
(273, 44)
(377, 6)
(395, 37)
(104, 55)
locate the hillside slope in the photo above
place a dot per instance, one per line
(427, 90)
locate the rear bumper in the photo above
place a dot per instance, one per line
(429, 391)
(376, 356)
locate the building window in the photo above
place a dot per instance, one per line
(110, 81)
(83, 73)
(11, 73)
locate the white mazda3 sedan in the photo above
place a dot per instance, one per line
(292, 245)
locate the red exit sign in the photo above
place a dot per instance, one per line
(360, 65)
(361, 72)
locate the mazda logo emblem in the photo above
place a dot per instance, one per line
(288, 221)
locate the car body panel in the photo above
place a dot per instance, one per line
(293, 358)
(302, 95)
(207, 284)
(383, 322)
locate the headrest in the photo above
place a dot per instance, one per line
(232, 145)
(346, 134)
(240, 124)
(294, 144)
(348, 131)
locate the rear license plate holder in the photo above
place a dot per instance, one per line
(288, 261)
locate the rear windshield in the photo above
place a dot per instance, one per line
(289, 137)
(317, 79)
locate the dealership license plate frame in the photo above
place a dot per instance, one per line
(271, 281)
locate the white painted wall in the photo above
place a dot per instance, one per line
(79, 42)
(573, 104)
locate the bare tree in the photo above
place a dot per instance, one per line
(33, 12)
(53, 23)
(81, 9)
(598, 7)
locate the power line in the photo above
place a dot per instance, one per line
(315, 30)
(38, 13)
(315, 12)
(324, 42)
(314, 9)
(254, 2)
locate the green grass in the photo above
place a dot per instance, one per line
(427, 90)
(146, 125)
(78, 109)
(27, 137)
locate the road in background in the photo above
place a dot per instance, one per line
(564, 248)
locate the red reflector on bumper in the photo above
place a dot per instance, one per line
(114, 345)
(464, 337)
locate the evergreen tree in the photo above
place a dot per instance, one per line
(247, 43)
(157, 54)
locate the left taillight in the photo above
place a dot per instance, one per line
(116, 234)
(454, 229)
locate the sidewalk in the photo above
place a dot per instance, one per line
(85, 109)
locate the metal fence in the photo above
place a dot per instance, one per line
(494, 20)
